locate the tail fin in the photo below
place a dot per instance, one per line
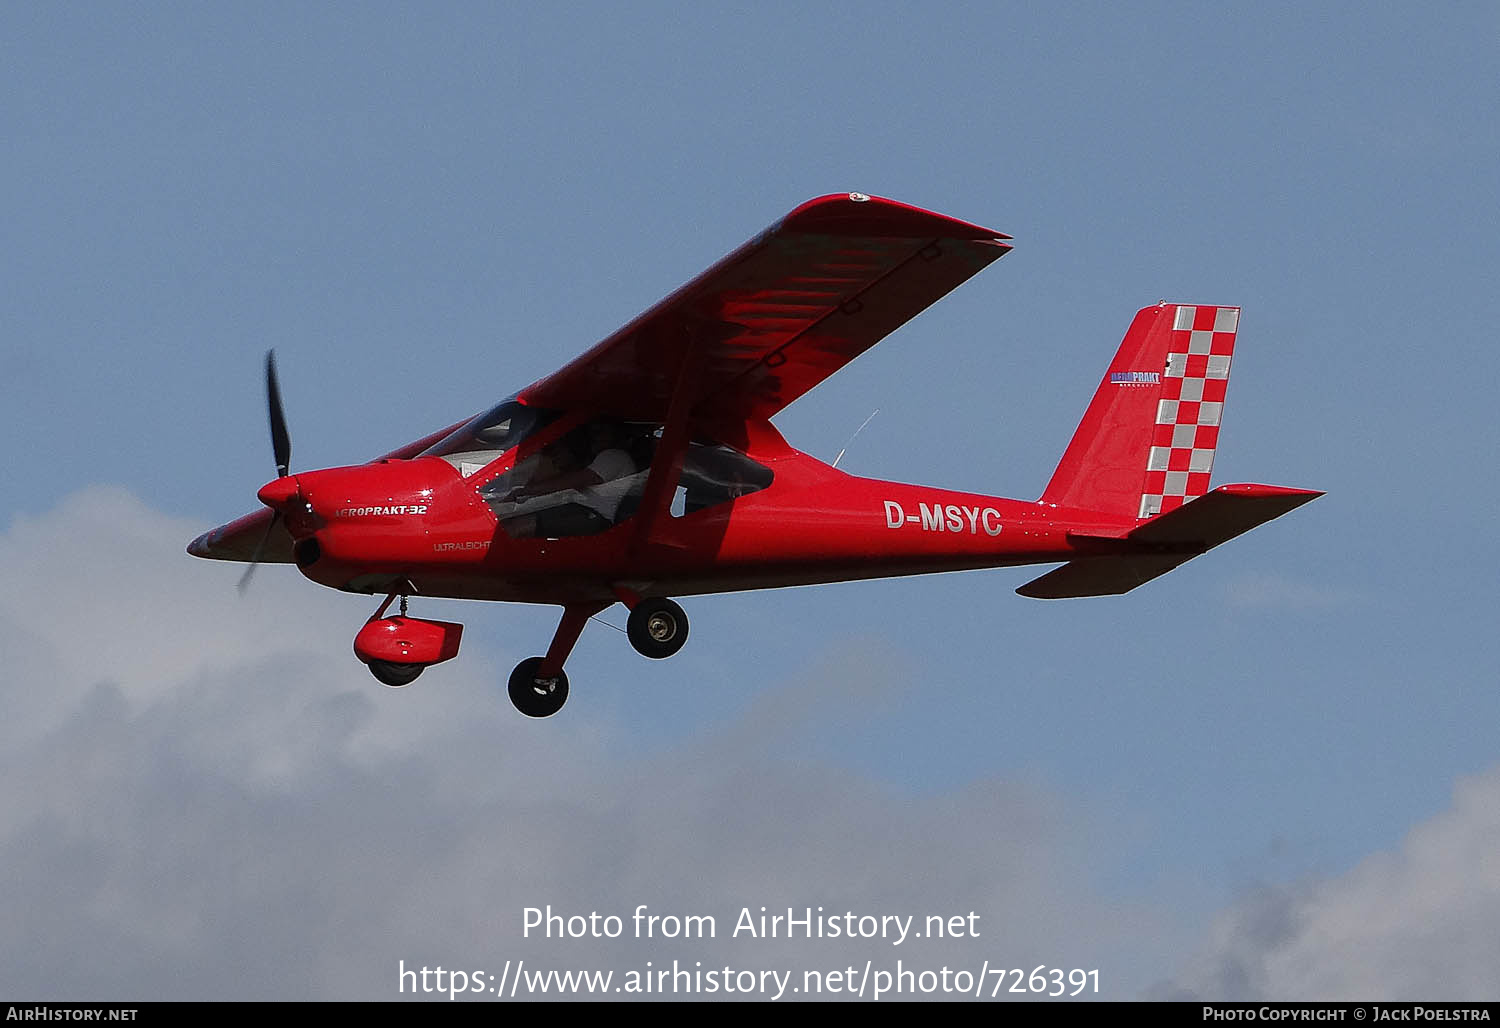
(1146, 443)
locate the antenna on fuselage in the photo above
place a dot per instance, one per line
(857, 431)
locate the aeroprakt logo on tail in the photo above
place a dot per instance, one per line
(1135, 378)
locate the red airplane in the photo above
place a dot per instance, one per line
(649, 468)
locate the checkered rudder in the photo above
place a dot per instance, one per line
(1190, 407)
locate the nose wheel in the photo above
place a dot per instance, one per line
(657, 627)
(388, 672)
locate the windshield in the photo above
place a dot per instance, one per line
(484, 438)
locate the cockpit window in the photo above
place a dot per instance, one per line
(486, 437)
(715, 474)
(584, 482)
(595, 477)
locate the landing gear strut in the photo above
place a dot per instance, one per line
(657, 627)
(538, 685)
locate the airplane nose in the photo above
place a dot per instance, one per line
(279, 493)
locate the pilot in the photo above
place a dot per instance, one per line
(599, 488)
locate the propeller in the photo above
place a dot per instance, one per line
(281, 441)
(281, 448)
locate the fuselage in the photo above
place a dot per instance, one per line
(423, 522)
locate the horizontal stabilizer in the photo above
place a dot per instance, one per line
(1102, 576)
(1228, 511)
(1170, 539)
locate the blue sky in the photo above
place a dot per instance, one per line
(424, 210)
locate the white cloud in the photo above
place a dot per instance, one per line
(1261, 590)
(206, 796)
(1417, 923)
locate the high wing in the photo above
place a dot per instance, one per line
(780, 314)
(758, 329)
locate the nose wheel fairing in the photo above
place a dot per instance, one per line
(398, 649)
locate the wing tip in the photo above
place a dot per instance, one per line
(863, 214)
(1258, 491)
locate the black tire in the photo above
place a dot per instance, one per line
(657, 628)
(395, 675)
(534, 698)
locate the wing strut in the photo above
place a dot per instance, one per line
(666, 465)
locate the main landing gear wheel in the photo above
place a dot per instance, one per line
(657, 628)
(393, 674)
(536, 697)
